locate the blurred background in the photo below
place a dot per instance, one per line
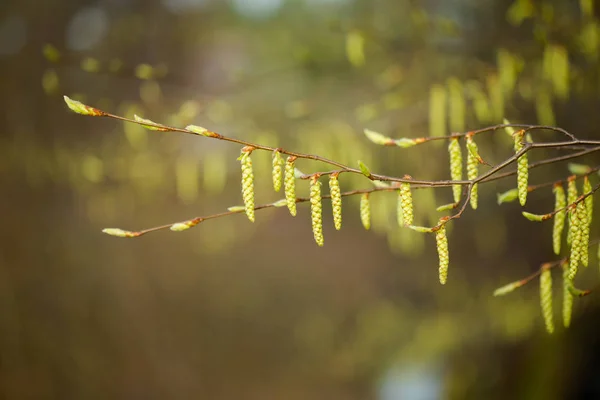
(234, 310)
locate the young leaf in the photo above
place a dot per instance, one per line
(364, 169)
(536, 217)
(578, 169)
(378, 138)
(120, 233)
(446, 207)
(501, 291)
(80, 108)
(508, 196)
(146, 123)
(198, 130)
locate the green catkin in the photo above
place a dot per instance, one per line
(546, 298)
(247, 183)
(567, 309)
(571, 198)
(277, 170)
(560, 202)
(456, 167)
(575, 233)
(405, 204)
(365, 211)
(442, 248)
(589, 201)
(522, 168)
(336, 200)
(290, 184)
(316, 210)
(472, 169)
(584, 228)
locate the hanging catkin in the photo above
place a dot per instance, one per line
(522, 168)
(456, 167)
(336, 200)
(560, 202)
(290, 184)
(405, 204)
(316, 210)
(575, 234)
(365, 211)
(277, 170)
(442, 249)
(247, 182)
(589, 201)
(567, 309)
(571, 198)
(472, 168)
(546, 298)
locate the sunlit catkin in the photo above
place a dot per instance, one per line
(560, 201)
(571, 198)
(589, 201)
(289, 183)
(456, 167)
(277, 170)
(247, 182)
(546, 298)
(336, 200)
(567, 306)
(365, 211)
(442, 248)
(316, 210)
(575, 234)
(472, 168)
(405, 209)
(584, 235)
(522, 168)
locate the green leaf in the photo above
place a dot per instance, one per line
(578, 169)
(378, 138)
(280, 203)
(236, 208)
(146, 123)
(381, 185)
(577, 292)
(422, 229)
(364, 169)
(180, 226)
(80, 108)
(508, 129)
(405, 142)
(198, 130)
(446, 207)
(120, 233)
(508, 288)
(508, 196)
(536, 217)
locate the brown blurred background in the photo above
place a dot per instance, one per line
(234, 310)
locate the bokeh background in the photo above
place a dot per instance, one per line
(234, 310)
